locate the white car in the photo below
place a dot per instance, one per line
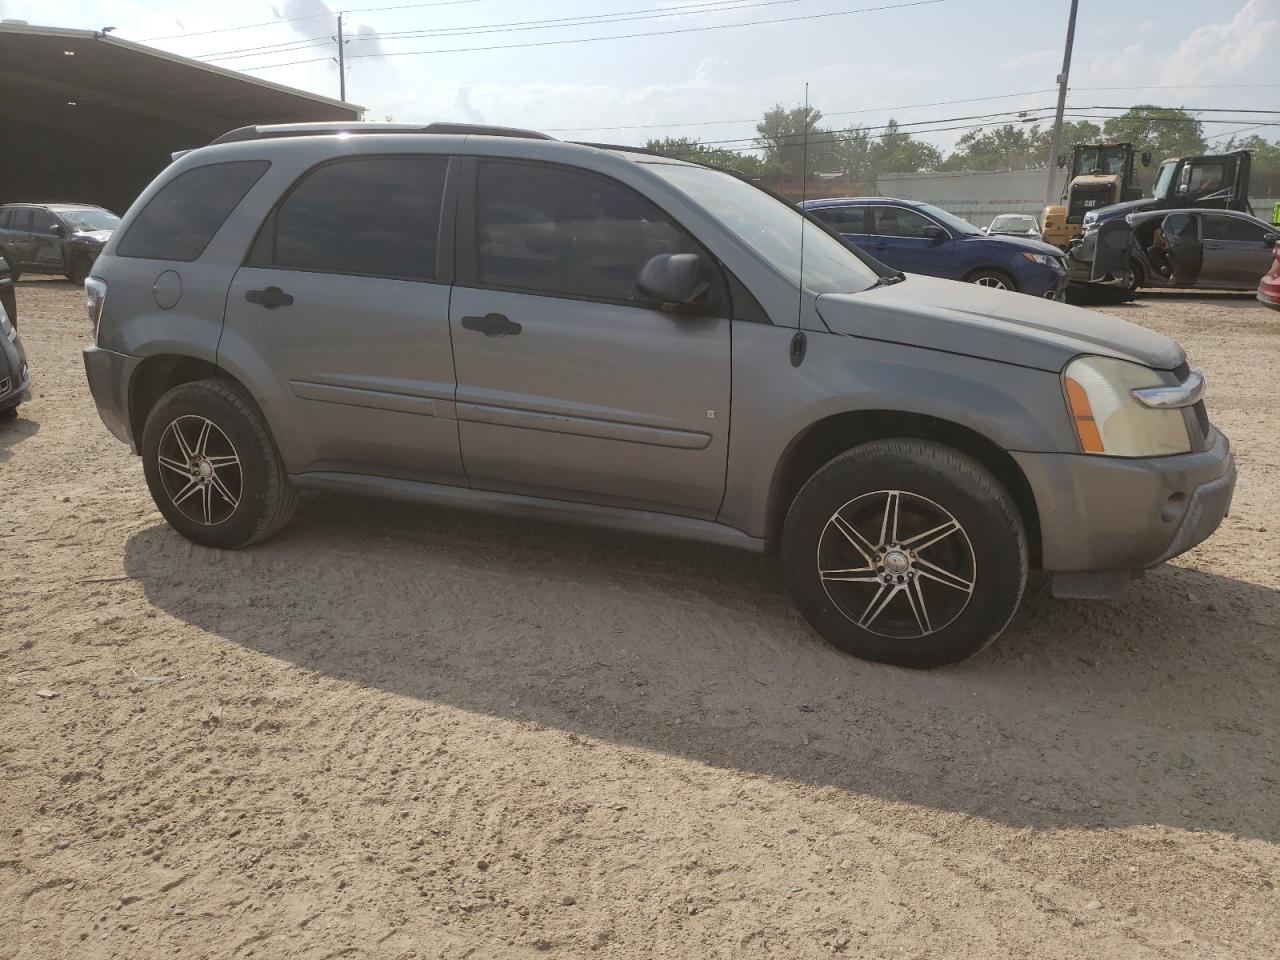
(1015, 225)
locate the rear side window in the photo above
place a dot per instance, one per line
(1233, 228)
(550, 230)
(179, 221)
(843, 219)
(376, 217)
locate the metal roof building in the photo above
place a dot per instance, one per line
(91, 118)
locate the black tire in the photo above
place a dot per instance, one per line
(1137, 276)
(78, 269)
(14, 272)
(991, 277)
(264, 497)
(9, 414)
(989, 551)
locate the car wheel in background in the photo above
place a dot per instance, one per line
(212, 466)
(906, 552)
(997, 279)
(79, 268)
(1136, 276)
(14, 272)
(9, 414)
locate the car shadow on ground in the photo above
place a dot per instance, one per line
(13, 432)
(1150, 709)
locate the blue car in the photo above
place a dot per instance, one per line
(921, 238)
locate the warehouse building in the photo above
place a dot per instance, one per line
(87, 117)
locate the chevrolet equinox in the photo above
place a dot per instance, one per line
(495, 319)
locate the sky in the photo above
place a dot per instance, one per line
(713, 84)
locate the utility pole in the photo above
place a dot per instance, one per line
(1055, 142)
(342, 60)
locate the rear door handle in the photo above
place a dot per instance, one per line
(492, 325)
(270, 298)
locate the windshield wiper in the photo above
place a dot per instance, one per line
(887, 281)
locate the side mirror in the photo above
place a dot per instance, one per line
(674, 280)
(933, 233)
(58, 230)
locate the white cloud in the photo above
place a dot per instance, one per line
(1038, 59)
(1223, 52)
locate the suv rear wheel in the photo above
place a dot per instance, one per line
(212, 466)
(906, 552)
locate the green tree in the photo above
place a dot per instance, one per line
(783, 133)
(1073, 132)
(1266, 154)
(897, 152)
(1164, 131)
(695, 151)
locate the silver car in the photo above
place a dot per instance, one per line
(494, 319)
(1014, 225)
(1216, 249)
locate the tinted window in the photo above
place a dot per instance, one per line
(179, 221)
(42, 221)
(21, 219)
(553, 230)
(898, 222)
(843, 219)
(375, 217)
(1233, 228)
(1181, 225)
(6, 217)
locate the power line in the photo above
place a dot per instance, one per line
(621, 16)
(310, 16)
(835, 113)
(620, 36)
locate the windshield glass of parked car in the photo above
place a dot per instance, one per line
(949, 220)
(1020, 224)
(94, 219)
(772, 228)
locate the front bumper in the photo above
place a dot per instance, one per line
(1112, 514)
(109, 376)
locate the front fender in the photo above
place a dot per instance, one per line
(1015, 408)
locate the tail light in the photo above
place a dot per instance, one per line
(95, 295)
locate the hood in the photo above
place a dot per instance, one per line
(1124, 208)
(93, 236)
(976, 321)
(1029, 244)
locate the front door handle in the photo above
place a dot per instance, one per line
(270, 298)
(492, 325)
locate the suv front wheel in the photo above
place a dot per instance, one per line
(212, 466)
(906, 552)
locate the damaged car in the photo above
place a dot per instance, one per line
(1216, 249)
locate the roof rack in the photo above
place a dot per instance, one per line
(618, 146)
(272, 131)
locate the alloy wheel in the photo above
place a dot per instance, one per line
(991, 281)
(896, 564)
(200, 470)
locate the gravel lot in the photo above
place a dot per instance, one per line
(400, 732)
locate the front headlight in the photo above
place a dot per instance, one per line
(1041, 258)
(1110, 420)
(6, 326)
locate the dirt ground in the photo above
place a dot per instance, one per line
(400, 732)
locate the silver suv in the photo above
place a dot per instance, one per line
(495, 319)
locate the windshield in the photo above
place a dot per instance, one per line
(772, 228)
(1161, 189)
(949, 220)
(1013, 223)
(92, 218)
